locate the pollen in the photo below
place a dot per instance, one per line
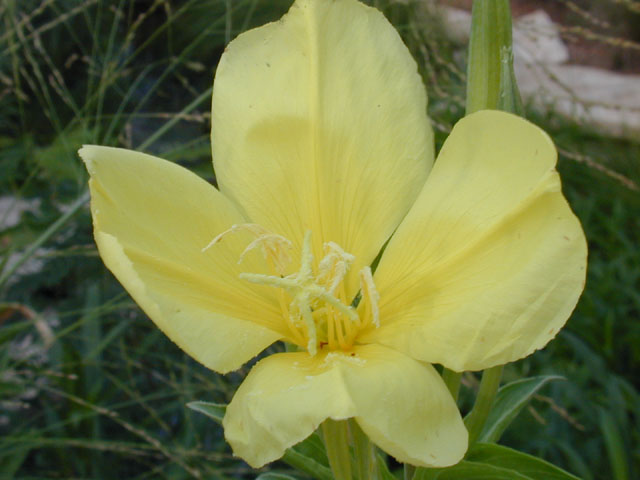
(314, 302)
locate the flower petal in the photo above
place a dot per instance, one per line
(401, 404)
(319, 123)
(152, 219)
(490, 262)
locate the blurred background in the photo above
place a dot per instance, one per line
(89, 388)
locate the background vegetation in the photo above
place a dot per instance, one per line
(89, 388)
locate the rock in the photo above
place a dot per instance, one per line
(536, 39)
(599, 99)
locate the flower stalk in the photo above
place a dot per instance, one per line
(409, 471)
(452, 381)
(364, 453)
(484, 401)
(491, 82)
(336, 441)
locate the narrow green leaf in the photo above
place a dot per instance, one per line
(313, 447)
(202, 98)
(509, 99)
(466, 470)
(523, 463)
(615, 446)
(214, 411)
(575, 461)
(306, 465)
(383, 469)
(510, 400)
(274, 476)
(70, 211)
(10, 464)
(495, 462)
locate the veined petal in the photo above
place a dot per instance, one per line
(401, 404)
(152, 219)
(490, 262)
(319, 123)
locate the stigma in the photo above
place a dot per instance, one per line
(313, 300)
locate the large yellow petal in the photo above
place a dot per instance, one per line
(152, 219)
(490, 262)
(401, 404)
(319, 123)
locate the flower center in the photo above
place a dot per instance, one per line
(313, 301)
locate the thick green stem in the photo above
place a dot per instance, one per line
(452, 381)
(336, 442)
(484, 401)
(490, 80)
(364, 453)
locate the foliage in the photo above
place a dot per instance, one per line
(82, 370)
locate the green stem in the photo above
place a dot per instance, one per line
(452, 381)
(336, 441)
(484, 401)
(364, 453)
(409, 471)
(491, 83)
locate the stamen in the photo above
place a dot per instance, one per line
(317, 313)
(274, 247)
(334, 266)
(295, 285)
(288, 283)
(305, 309)
(369, 291)
(306, 261)
(340, 333)
(337, 304)
(330, 332)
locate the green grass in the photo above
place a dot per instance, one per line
(89, 388)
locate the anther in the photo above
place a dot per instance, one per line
(369, 291)
(316, 314)
(334, 266)
(274, 247)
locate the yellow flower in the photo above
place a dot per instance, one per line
(323, 152)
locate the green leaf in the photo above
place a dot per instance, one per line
(383, 469)
(509, 99)
(214, 411)
(306, 464)
(10, 464)
(468, 471)
(496, 462)
(308, 456)
(510, 400)
(532, 467)
(70, 211)
(313, 447)
(615, 446)
(274, 476)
